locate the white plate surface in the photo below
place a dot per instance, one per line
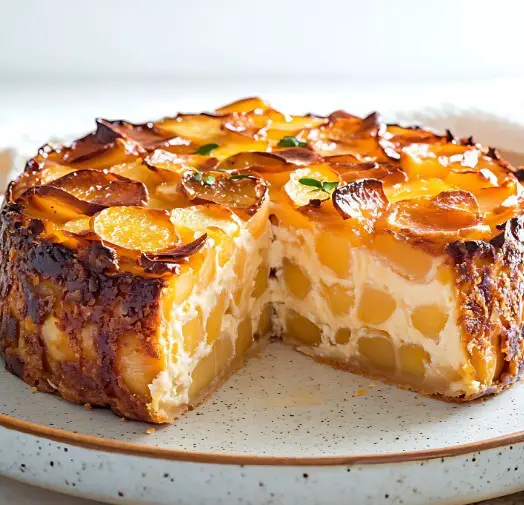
(280, 406)
(284, 404)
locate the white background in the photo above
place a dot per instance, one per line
(224, 39)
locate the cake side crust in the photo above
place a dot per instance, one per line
(42, 281)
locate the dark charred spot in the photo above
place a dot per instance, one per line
(46, 259)
(493, 153)
(461, 251)
(14, 365)
(519, 174)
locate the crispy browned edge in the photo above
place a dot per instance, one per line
(113, 304)
(490, 297)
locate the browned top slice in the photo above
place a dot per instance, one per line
(361, 175)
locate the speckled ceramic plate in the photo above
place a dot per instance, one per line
(284, 430)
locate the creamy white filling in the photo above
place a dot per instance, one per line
(170, 389)
(367, 269)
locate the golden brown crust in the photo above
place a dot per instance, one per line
(40, 278)
(490, 289)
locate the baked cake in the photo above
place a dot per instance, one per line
(141, 264)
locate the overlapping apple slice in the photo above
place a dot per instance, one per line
(395, 137)
(54, 204)
(363, 200)
(238, 190)
(145, 234)
(103, 188)
(440, 218)
(44, 173)
(258, 161)
(250, 104)
(179, 163)
(456, 161)
(349, 169)
(348, 134)
(67, 201)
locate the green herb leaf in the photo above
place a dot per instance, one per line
(206, 149)
(210, 179)
(290, 141)
(240, 176)
(311, 182)
(329, 186)
(197, 176)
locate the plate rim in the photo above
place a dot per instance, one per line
(97, 443)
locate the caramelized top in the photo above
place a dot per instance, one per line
(360, 176)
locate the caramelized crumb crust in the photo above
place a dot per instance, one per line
(490, 287)
(39, 277)
(68, 269)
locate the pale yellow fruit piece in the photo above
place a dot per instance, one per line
(379, 351)
(333, 252)
(200, 217)
(193, 332)
(78, 225)
(375, 306)
(136, 228)
(244, 337)
(178, 289)
(261, 281)
(296, 279)
(340, 298)
(184, 283)
(420, 161)
(88, 342)
(488, 366)
(287, 216)
(239, 144)
(205, 266)
(412, 360)
(301, 329)
(210, 367)
(429, 320)
(411, 262)
(56, 341)
(214, 320)
(137, 171)
(294, 124)
(135, 366)
(301, 194)
(416, 188)
(244, 105)
(197, 128)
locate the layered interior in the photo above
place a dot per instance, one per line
(215, 310)
(348, 306)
